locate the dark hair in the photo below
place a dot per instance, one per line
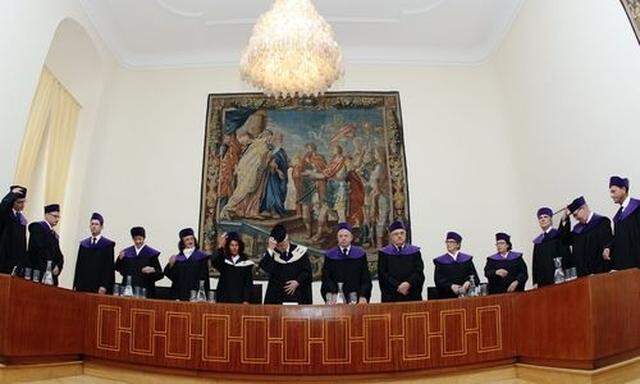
(227, 247)
(181, 246)
(509, 245)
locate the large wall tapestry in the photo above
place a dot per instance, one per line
(306, 163)
(632, 7)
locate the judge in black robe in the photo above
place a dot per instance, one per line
(44, 245)
(588, 239)
(289, 270)
(625, 247)
(506, 270)
(454, 269)
(400, 267)
(13, 230)
(140, 261)
(188, 268)
(546, 247)
(235, 283)
(346, 264)
(94, 266)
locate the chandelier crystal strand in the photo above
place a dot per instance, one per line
(292, 52)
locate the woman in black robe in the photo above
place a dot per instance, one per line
(454, 270)
(236, 270)
(506, 270)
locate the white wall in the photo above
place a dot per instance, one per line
(28, 28)
(570, 74)
(458, 152)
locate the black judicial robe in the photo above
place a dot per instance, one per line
(94, 266)
(546, 247)
(132, 264)
(352, 270)
(44, 246)
(515, 266)
(451, 271)
(625, 248)
(294, 265)
(396, 267)
(588, 241)
(13, 235)
(236, 279)
(186, 273)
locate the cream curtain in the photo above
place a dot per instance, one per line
(62, 133)
(53, 111)
(36, 128)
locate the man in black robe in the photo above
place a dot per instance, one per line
(454, 270)
(189, 269)
(346, 265)
(625, 247)
(548, 246)
(588, 239)
(44, 246)
(13, 229)
(505, 270)
(400, 267)
(289, 270)
(140, 261)
(94, 266)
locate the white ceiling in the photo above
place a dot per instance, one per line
(180, 33)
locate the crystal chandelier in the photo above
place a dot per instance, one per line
(292, 52)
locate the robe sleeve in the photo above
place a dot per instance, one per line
(522, 275)
(416, 279)
(59, 258)
(328, 283)
(489, 270)
(77, 271)
(155, 264)
(365, 280)
(204, 273)
(383, 272)
(247, 286)
(471, 270)
(119, 266)
(107, 269)
(441, 280)
(170, 271)
(217, 260)
(38, 250)
(267, 263)
(7, 203)
(565, 231)
(535, 267)
(304, 276)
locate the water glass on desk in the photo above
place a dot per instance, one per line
(36, 276)
(27, 273)
(116, 289)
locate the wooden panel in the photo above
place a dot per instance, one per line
(555, 323)
(585, 323)
(311, 339)
(42, 322)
